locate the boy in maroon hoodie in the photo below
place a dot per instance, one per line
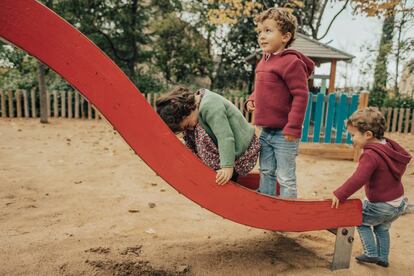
(279, 100)
(380, 168)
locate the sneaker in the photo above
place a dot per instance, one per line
(383, 263)
(367, 259)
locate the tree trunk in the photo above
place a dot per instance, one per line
(400, 27)
(42, 93)
(133, 43)
(397, 60)
(380, 73)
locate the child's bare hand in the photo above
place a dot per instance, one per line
(224, 175)
(250, 106)
(335, 202)
(290, 138)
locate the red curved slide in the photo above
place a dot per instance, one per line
(43, 34)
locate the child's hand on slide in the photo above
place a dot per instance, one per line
(250, 106)
(335, 202)
(290, 138)
(223, 175)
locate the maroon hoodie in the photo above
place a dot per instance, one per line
(281, 91)
(380, 170)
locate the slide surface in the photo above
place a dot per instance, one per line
(42, 33)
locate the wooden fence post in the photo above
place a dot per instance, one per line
(96, 112)
(48, 97)
(70, 113)
(11, 107)
(412, 121)
(63, 105)
(363, 100)
(18, 104)
(407, 120)
(82, 111)
(400, 120)
(33, 100)
(3, 104)
(394, 120)
(89, 111)
(155, 100)
(149, 98)
(26, 104)
(76, 104)
(55, 104)
(389, 115)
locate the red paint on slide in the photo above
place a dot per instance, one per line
(43, 34)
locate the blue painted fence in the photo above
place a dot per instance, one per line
(325, 118)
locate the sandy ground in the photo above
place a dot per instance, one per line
(75, 200)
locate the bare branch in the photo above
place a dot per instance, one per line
(321, 12)
(333, 19)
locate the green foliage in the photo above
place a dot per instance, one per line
(385, 99)
(399, 101)
(159, 43)
(117, 27)
(240, 43)
(182, 52)
(376, 97)
(19, 69)
(381, 74)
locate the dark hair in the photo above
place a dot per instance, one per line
(286, 22)
(174, 106)
(368, 119)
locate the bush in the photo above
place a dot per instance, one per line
(386, 99)
(399, 101)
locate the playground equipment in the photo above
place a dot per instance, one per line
(43, 34)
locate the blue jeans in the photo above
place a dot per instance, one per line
(277, 163)
(376, 222)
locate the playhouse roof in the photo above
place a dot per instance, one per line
(317, 51)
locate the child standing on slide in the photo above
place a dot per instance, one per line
(279, 100)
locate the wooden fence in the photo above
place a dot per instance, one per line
(324, 121)
(399, 119)
(64, 104)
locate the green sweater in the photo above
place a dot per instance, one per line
(225, 124)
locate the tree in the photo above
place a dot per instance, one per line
(381, 73)
(19, 68)
(308, 12)
(374, 7)
(196, 13)
(119, 28)
(240, 39)
(182, 50)
(403, 45)
(394, 12)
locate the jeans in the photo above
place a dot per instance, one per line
(277, 163)
(376, 222)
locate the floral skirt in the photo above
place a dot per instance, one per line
(204, 147)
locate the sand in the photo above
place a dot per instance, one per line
(75, 200)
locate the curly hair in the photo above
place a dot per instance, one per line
(285, 21)
(368, 119)
(175, 106)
